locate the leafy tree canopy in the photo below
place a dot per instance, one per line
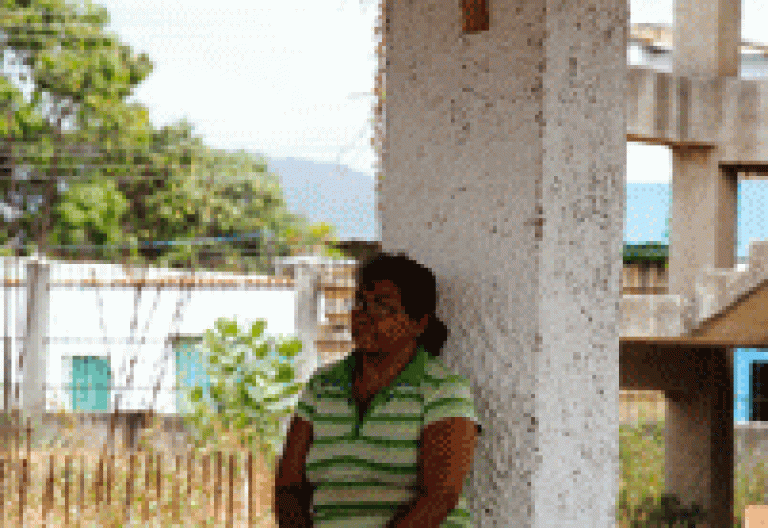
(126, 185)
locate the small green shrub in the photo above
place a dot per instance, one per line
(250, 390)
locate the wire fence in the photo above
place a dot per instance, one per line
(94, 488)
(130, 319)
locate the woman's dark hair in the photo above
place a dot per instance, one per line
(418, 293)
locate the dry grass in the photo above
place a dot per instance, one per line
(641, 449)
(87, 495)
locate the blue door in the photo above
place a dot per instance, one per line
(758, 391)
(190, 372)
(91, 383)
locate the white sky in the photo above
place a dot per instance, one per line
(284, 78)
(294, 78)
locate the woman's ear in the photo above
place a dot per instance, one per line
(424, 323)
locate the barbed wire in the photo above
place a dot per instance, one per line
(176, 323)
(161, 243)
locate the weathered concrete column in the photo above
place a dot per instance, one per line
(702, 227)
(707, 38)
(699, 434)
(35, 358)
(307, 294)
(504, 172)
(699, 438)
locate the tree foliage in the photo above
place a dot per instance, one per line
(91, 212)
(174, 188)
(79, 74)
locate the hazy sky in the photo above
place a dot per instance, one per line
(284, 78)
(294, 78)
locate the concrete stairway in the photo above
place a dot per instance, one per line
(718, 289)
(715, 290)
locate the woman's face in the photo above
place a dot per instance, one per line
(379, 323)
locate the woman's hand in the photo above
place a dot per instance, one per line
(401, 512)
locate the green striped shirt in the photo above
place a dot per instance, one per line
(363, 471)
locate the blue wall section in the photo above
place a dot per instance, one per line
(742, 366)
(190, 372)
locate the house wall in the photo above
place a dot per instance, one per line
(117, 323)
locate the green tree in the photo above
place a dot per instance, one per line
(91, 212)
(209, 193)
(176, 188)
(79, 74)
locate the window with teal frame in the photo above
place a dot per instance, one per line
(190, 371)
(91, 383)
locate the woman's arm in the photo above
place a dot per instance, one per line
(445, 457)
(293, 494)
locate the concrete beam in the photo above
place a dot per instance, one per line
(671, 110)
(654, 316)
(677, 111)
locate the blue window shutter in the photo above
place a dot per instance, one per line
(190, 371)
(91, 383)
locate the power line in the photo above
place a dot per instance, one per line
(194, 242)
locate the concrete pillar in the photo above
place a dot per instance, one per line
(707, 38)
(704, 214)
(699, 439)
(504, 172)
(699, 434)
(722, 439)
(307, 295)
(35, 358)
(702, 227)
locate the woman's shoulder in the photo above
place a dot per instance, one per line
(329, 374)
(436, 371)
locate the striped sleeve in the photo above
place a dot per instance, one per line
(305, 407)
(450, 396)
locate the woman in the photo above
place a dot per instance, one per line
(385, 437)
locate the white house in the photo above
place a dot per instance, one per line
(93, 319)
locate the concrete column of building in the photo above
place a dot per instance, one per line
(307, 295)
(707, 35)
(699, 435)
(35, 358)
(699, 439)
(704, 214)
(702, 227)
(504, 173)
